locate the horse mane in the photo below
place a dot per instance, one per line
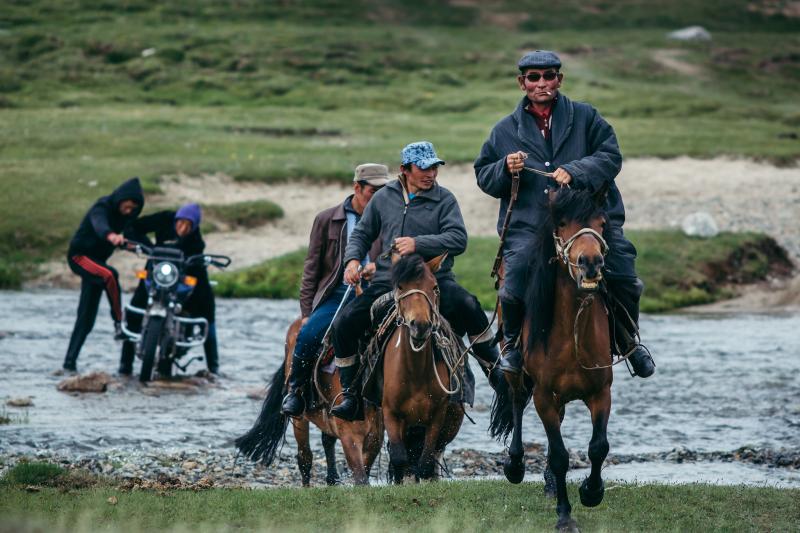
(408, 268)
(570, 205)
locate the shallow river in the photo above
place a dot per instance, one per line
(722, 382)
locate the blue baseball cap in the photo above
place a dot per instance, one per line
(421, 154)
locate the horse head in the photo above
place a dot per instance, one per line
(416, 295)
(578, 220)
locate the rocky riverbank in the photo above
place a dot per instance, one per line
(206, 468)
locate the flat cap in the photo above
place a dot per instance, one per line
(539, 59)
(374, 174)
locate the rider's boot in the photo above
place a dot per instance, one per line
(626, 325)
(487, 352)
(210, 347)
(513, 314)
(350, 406)
(293, 403)
(119, 335)
(126, 359)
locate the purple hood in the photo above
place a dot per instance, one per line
(191, 212)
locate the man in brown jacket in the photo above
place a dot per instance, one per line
(323, 287)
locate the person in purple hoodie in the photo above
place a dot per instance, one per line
(179, 229)
(99, 234)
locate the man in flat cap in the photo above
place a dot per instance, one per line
(323, 289)
(571, 140)
(413, 214)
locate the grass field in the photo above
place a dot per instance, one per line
(677, 270)
(38, 497)
(92, 93)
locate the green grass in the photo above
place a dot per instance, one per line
(273, 91)
(437, 507)
(247, 214)
(677, 270)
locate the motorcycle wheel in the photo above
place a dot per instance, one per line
(152, 334)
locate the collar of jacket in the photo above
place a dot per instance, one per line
(529, 134)
(434, 193)
(339, 213)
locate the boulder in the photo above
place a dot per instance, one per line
(20, 402)
(692, 33)
(92, 382)
(700, 224)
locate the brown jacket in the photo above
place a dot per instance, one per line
(323, 266)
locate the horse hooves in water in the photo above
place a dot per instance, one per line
(591, 497)
(514, 469)
(549, 483)
(567, 525)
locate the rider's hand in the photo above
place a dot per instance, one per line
(115, 238)
(303, 322)
(351, 273)
(515, 162)
(368, 271)
(405, 245)
(562, 177)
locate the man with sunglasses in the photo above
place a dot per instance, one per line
(322, 289)
(412, 214)
(550, 133)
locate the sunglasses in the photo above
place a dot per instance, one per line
(533, 77)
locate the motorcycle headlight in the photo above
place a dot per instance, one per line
(165, 274)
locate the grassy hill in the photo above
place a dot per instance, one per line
(94, 92)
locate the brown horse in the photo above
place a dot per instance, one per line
(565, 344)
(361, 440)
(419, 417)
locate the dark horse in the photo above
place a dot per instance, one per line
(361, 440)
(565, 344)
(419, 417)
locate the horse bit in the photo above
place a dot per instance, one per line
(563, 248)
(435, 317)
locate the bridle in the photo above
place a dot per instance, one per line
(563, 248)
(435, 316)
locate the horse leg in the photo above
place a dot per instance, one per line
(557, 455)
(398, 457)
(373, 441)
(352, 447)
(514, 466)
(329, 444)
(304, 455)
(549, 477)
(426, 466)
(592, 488)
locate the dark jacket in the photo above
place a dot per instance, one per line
(323, 268)
(162, 225)
(581, 142)
(104, 218)
(433, 219)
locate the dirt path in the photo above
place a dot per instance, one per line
(740, 194)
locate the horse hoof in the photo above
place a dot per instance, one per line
(332, 480)
(514, 469)
(567, 525)
(591, 497)
(549, 483)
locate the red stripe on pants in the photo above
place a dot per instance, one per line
(112, 290)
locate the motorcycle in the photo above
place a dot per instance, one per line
(167, 334)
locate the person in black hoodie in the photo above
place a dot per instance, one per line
(99, 233)
(181, 230)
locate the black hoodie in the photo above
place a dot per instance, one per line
(104, 218)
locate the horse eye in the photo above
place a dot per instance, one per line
(562, 224)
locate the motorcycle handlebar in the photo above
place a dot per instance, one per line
(219, 261)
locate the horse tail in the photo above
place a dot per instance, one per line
(501, 418)
(262, 441)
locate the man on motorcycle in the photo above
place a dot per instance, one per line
(99, 233)
(323, 288)
(180, 230)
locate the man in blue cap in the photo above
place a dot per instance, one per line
(181, 230)
(412, 214)
(551, 133)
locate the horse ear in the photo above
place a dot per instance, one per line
(436, 262)
(396, 256)
(599, 197)
(551, 193)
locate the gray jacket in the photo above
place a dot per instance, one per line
(433, 219)
(581, 142)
